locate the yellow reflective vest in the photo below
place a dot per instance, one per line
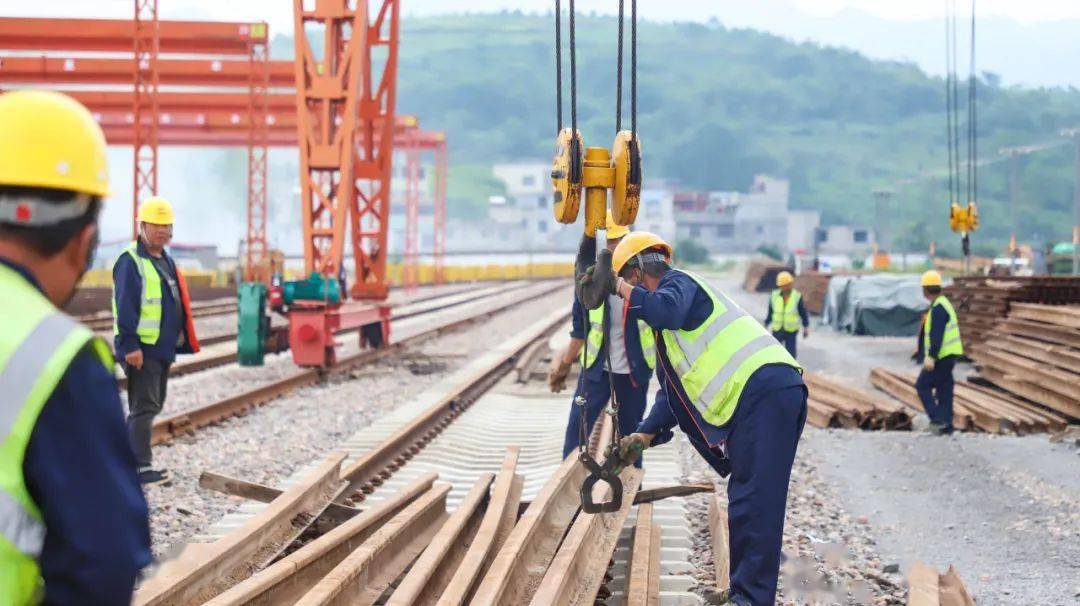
(37, 344)
(785, 315)
(595, 339)
(149, 328)
(951, 345)
(715, 360)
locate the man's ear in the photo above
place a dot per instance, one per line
(82, 248)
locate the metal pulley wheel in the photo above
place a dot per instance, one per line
(566, 170)
(626, 194)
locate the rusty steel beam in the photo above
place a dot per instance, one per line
(432, 571)
(577, 571)
(366, 573)
(334, 515)
(205, 573)
(643, 571)
(718, 534)
(286, 580)
(499, 518)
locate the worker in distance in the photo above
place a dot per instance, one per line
(623, 366)
(735, 392)
(787, 313)
(73, 520)
(152, 322)
(939, 346)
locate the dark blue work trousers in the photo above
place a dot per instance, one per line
(936, 392)
(787, 339)
(631, 398)
(761, 450)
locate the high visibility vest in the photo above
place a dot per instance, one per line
(785, 316)
(37, 344)
(595, 339)
(715, 360)
(950, 341)
(149, 328)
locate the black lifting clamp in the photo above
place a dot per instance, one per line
(607, 472)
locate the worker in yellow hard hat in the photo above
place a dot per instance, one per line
(152, 322)
(787, 312)
(735, 392)
(73, 521)
(622, 364)
(939, 347)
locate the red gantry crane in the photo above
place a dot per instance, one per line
(340, 115)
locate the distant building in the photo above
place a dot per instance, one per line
(801, 227)
(761, 218)
(845, 240)
(707, 218)
(524, 215)
(735, 222)
(656, 213)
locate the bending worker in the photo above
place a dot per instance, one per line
(151, 323)
(73, 520)
(939, 348)
(632, 353)
(787, 312)
(734, 391)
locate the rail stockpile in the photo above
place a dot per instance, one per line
(983, 301)
(813, 286)
(975, 407)
(761, 275)
(834, 403)
(1035, 354)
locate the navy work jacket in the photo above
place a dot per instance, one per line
(80, 470)
(640, 373)
(128, 292)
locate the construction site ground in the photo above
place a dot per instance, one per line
(863, 506)
(1004, 510)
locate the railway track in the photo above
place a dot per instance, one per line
(190, 420)
(423, 508)
(102, 320)
(407, 309)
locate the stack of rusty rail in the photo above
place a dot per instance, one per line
(975, 407)
(813, 286)
(761, 275)
(836, 403)
(1035, 354)
(982, 302)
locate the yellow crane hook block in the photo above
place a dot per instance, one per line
(566, 171)
(963, 220)
(626, 191)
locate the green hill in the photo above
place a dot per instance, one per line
(717, 105)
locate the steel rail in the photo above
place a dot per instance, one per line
(187, 421)
(204, 572)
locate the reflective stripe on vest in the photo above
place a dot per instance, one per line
(785, 314)
(951, 345)
(37, 344)
(648, 343)
(149, 326)
(715, 360)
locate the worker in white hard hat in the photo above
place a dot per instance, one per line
(73, 520)
(152, 322)
(939, 347)
(621, 368)
(787, 313)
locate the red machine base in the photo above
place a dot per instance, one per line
(312, 327)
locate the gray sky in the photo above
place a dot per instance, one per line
(1028, 42)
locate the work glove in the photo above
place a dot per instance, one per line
(631, 447)
(558, 373)
(928, 364)
(596, 282)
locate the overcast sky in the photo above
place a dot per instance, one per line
(1030, 42)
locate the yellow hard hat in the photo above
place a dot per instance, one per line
(155, 210)
(931, 278)
(634, 243)
(614, 230)
(784, 278)
(50, 140)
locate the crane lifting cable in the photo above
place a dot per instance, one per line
(963, 218)
(595, 171)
